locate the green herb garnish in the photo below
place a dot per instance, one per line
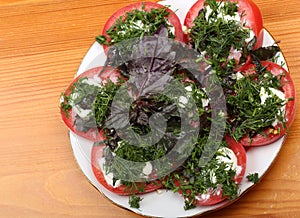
(214, 35)
(66, 99)
(134, 201)
(80, 98)
(253, 178)
(137, 24)
(65, 104)
(194, 179)
(249, 114)
(103, 100)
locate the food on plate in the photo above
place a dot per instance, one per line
(218, 179)
(78, 104)
(223, 29)
(124, 106)
(148, 124)
(214, 182)
(100, 154)
(220, 31)
(262, 106)
(137, 20)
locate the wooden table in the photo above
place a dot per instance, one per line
(42, 43)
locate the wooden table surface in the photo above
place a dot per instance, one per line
(42, 43)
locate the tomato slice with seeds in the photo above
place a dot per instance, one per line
(272, 134)
(97, 154)
(172, 18)
(69, 116)
(250, 15)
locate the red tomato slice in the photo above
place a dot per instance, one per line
(240, 152)
(269, 135)
(251, 17)
(216, 196)
(173, 19)
(92, 134)
(97, 154)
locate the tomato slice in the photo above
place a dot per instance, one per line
(69, 117)
(97, 154)
(269, 135)
(173, 18)
(216, 196)
(250, 15)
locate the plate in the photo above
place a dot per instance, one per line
(166, 203)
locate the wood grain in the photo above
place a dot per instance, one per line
(42, 43)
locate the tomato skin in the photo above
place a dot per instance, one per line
(173, 19)
(290, 108)
(252, 17)
(240, 152)
(245, 65)
(92, 134)
(97, 154)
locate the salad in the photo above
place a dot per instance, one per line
(151, 109)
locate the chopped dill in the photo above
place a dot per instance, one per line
(253, 178)
(138, 23)
(134, 201)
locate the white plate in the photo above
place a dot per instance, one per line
(166, 203)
